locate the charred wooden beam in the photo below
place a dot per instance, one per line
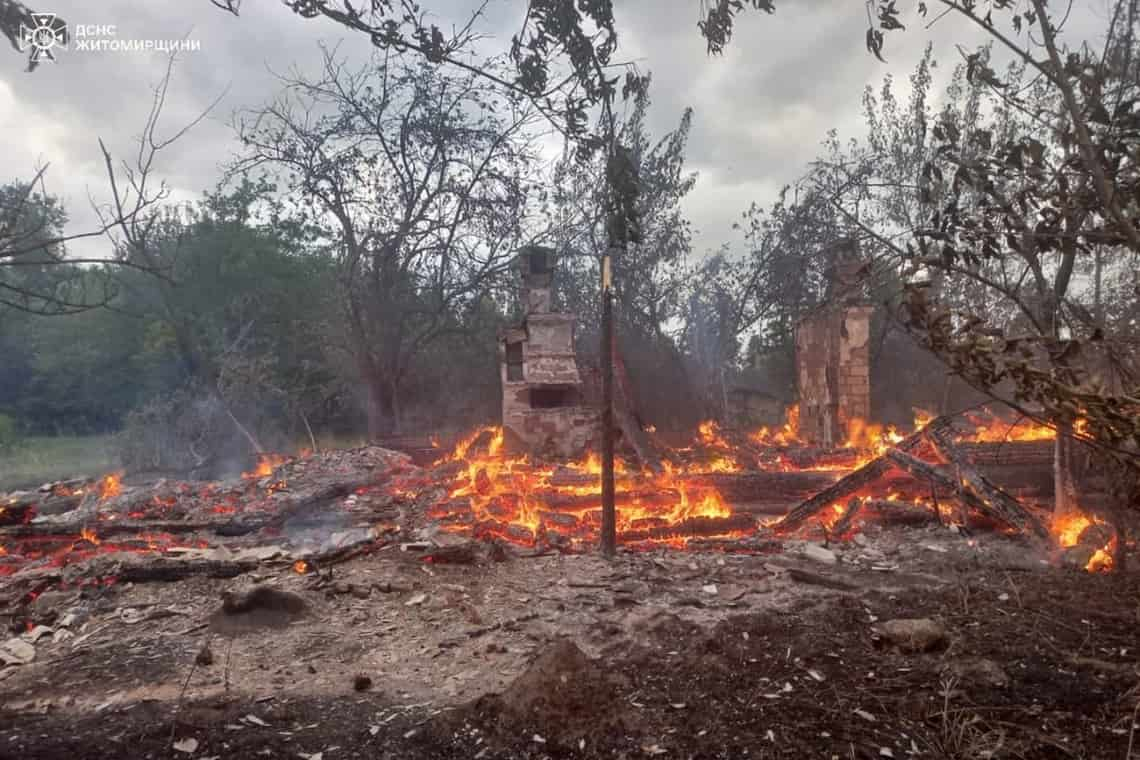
(846, 522)
(846, 486)
(107, 528)
(166, 570)
(767, 486)
(999, 504)
(1007, 453)
(899, 512)
(1016, 517)
(564, 502)
(693, 526)
(858, 479)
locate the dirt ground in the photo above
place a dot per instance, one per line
(665, 653)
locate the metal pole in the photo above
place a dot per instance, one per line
(609, 515)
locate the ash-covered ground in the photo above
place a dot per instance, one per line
(795, 652)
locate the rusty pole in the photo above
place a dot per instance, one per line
(609, 515)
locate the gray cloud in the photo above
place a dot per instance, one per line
(760, 111)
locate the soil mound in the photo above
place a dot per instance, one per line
(564, 698)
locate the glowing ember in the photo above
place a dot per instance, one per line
(301, 567)
(522, 501)
(110, 486)
(89, 536)
(266, 464)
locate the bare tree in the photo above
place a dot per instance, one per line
(147, 234)
(421, 183)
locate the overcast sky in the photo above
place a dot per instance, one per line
(760, 111)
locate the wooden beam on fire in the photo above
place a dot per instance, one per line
(1015, 515)
(856, 480)
(1000, 504)
(106, 528)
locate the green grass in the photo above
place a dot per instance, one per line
(39, 460)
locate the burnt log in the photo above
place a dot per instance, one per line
(20, 507)
(167, 571)
(693, 526)
(847, 521)
(763, 486)
(846, 486)
(566, 502)
(492, 529)
(1007, 453)
(1015, 515)
(293, 505)
(107, 528)
(558, 520)
(999, 504)
(899, 512)
(17, 512)
(810, 457)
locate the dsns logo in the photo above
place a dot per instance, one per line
(46, 33)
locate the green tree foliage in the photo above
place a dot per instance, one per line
(238, 292)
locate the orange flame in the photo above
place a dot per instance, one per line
(988, 427)
(789, 433)
(1069, 531)
(521, 501)
(867, 436)
(110, 486)
(1069, 528)
(89, 536)
(301, 567)
(266, 464)
(1101, 560)
(922, 418)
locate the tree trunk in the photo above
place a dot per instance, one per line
(381, 407)
(1064, 489)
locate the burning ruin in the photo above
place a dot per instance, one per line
(544, 408)
(726, 490)
(833, 357)
(534, 481)
(729, 518)
(458, 567)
